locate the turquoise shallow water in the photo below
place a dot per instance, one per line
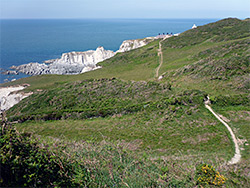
(24, 41)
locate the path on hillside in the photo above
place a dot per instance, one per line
(160, 54)
(237, 156)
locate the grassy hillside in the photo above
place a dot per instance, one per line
(90, 98)
(221, 31)
(225, 65)
(130, 129)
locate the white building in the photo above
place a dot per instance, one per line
(194, 26)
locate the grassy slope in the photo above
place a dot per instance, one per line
(225, 64)
(147, 114)
(215, 55)
(203, 59)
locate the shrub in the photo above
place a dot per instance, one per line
(24, 163)
(207, 175)
(231, 100)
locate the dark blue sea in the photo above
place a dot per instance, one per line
(25, 41)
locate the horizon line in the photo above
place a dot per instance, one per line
(109, 18)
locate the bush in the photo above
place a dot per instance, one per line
(24, 163)
(207, 175)
(231, 100)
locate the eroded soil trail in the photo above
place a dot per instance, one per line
(160, 54)
(237, 156)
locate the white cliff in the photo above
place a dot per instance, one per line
(9, 96)
(88, 58)
(128, 45)
(69, 63)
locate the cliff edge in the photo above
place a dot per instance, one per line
(77, 62)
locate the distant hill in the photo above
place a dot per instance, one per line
(223, 30)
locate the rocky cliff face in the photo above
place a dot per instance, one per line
(9, 97)
(77, 62)
(42, 68)
(128, 45)
(69, 63)
(88, 58)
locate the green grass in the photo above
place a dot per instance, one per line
(89, 98)
(217, 69)
(223, 30)
(162, 131)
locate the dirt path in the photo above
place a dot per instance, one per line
(237, 156)
(160, 54)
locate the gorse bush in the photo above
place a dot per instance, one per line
(24, 163)
(207, 175)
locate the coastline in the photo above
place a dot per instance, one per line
(72, 63)
(89, 34)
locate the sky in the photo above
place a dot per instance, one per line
(32, 9)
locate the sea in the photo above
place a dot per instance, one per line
(36, 40)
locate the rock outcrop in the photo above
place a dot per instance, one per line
(77, 62)
(9, 97)
(88, 58)
(8, 72)
(128, 45)
(69, 63)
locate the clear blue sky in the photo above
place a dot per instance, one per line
(124, 8)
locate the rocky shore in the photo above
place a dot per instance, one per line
(76, 62)
(69, 63)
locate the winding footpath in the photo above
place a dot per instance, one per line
(160, 54)
(237, 156)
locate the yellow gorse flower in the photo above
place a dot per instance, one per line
(210, 176)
